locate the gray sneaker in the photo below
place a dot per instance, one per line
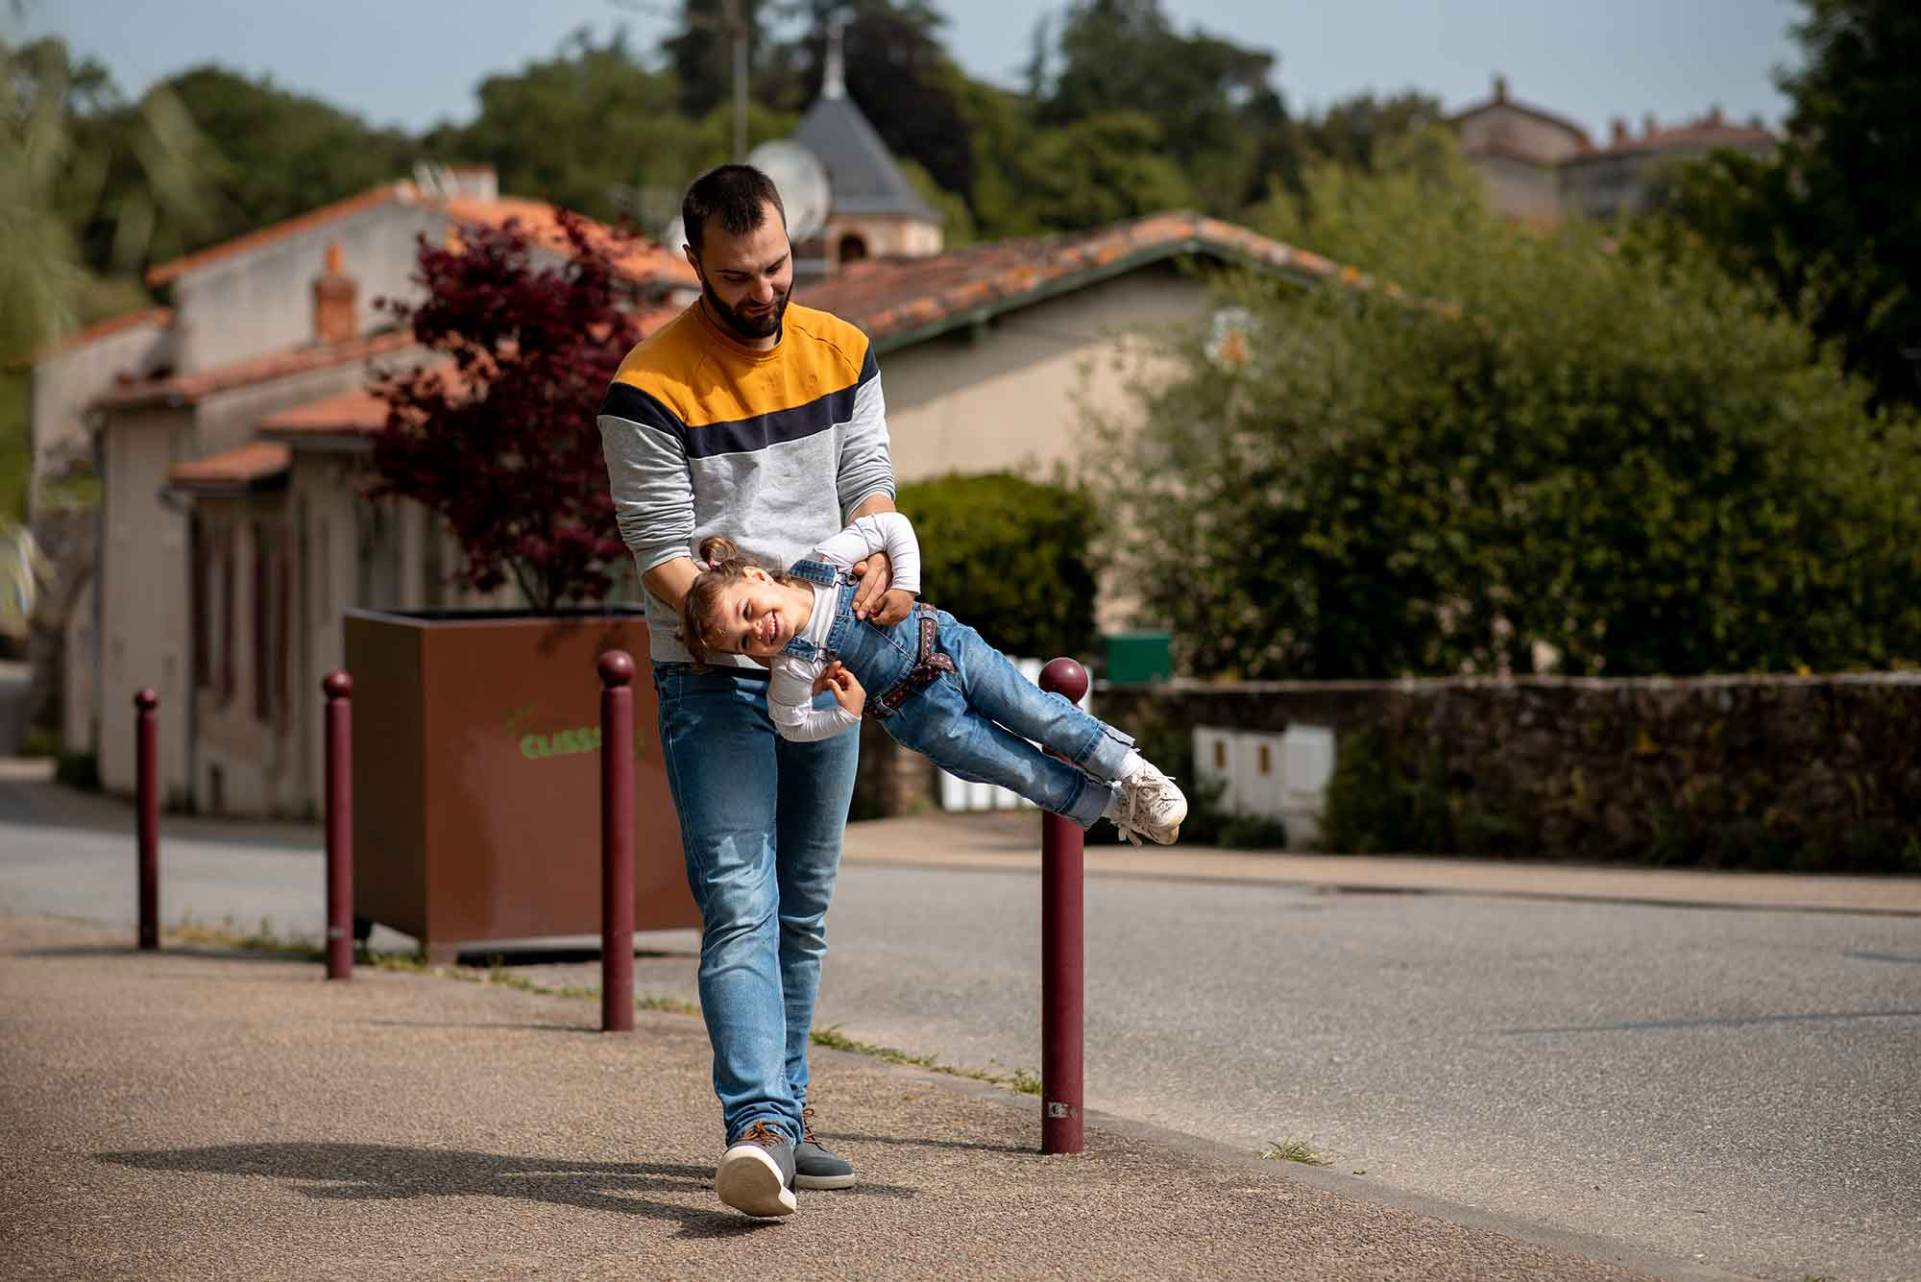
(756, 1173)
(814, 1166)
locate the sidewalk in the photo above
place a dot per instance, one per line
(1009, 841)
(204, 1115)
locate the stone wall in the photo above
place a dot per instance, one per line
(1765, 771)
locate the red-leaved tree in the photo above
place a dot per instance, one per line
(499, 436)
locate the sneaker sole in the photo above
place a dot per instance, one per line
(824, 1181)
(749, 1181)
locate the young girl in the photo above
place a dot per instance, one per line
(931, 680)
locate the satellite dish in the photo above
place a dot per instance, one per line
(802, 183)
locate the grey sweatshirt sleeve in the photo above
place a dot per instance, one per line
(865, 468)
(645, 446)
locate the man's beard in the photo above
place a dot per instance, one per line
(747, 327)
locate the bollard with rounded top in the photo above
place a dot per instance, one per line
(616, 842)
(1061, 953)
(339, 688)
(147, 786)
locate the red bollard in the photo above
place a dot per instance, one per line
(147, 774)
(339, 688)
(1062, 976)
(616, 842)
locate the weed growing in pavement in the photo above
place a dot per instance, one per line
(496, 974)
(1021, 1080)
(1295, 1151)
(262, 939)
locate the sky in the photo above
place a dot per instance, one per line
(414, 62)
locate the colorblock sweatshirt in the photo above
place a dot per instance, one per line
(774, 449)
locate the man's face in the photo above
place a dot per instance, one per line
(746, 279)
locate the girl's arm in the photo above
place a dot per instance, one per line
(790, 702)
(888, 532)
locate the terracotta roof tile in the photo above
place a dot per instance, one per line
(642, 261)
(190, 389)
(163, 316)
(1694, 134)
(890, 298)
(356, 412)
(255, 465)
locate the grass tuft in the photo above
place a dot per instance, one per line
(1295, 1151)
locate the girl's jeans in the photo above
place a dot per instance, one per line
(963, 721)
(761, 821)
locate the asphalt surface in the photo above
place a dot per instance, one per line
(1735, 1088)
(212, 1117)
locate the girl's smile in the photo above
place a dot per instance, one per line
(758, 616)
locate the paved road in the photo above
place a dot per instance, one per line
(1730, 1086)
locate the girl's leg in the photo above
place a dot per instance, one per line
(939, 724)
(995, 687)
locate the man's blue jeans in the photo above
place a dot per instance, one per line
(761, 821)
(963, 721)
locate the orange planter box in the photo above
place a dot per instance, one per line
(476, 777)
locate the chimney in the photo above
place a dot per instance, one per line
(1500, 87)
(1648, 127)
(334, 296)
(1617, 131)
(1714, 115)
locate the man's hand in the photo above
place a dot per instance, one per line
(848, 691)
(877, 599)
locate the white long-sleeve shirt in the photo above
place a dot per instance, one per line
(790, 692)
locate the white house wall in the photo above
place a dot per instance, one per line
(68, 381)
(1012, 396)
(261, 300)
(144, 593)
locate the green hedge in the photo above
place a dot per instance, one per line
(1009, 556)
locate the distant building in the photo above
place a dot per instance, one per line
(1518, 150)
(874, 211)
(1538, 167)
(233, 436)
(1619, 178)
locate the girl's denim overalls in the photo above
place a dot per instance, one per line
(975, 720)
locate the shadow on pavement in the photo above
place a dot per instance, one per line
(915, 1141)
(384, 1171)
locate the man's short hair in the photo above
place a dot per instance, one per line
(735, 194)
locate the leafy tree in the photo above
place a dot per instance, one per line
(279, 153)
(1211, 94)
(1625, 456)
(499, 437)
(1011, 555)
(1360, 130)
(582, 128)
(1832, 224)
(1099, 170)
(902, 78)
(701, 56)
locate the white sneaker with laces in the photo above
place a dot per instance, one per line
(1148, 805)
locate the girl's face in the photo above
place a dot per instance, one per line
(752, 615)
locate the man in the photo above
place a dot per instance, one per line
(763, 421)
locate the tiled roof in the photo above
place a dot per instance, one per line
(190, 389)
(358, 412)
(160, 316)
(642, 261)
(352, 413)
(253, 466)
(1696, 135)
(861, 172)
(638, 259)
(904, 300)
(1526, 109)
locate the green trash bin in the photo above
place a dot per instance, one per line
(1135, 658)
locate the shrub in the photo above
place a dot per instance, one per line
(1009, 556)
(1625, 456)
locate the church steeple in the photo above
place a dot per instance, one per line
(833, 83)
